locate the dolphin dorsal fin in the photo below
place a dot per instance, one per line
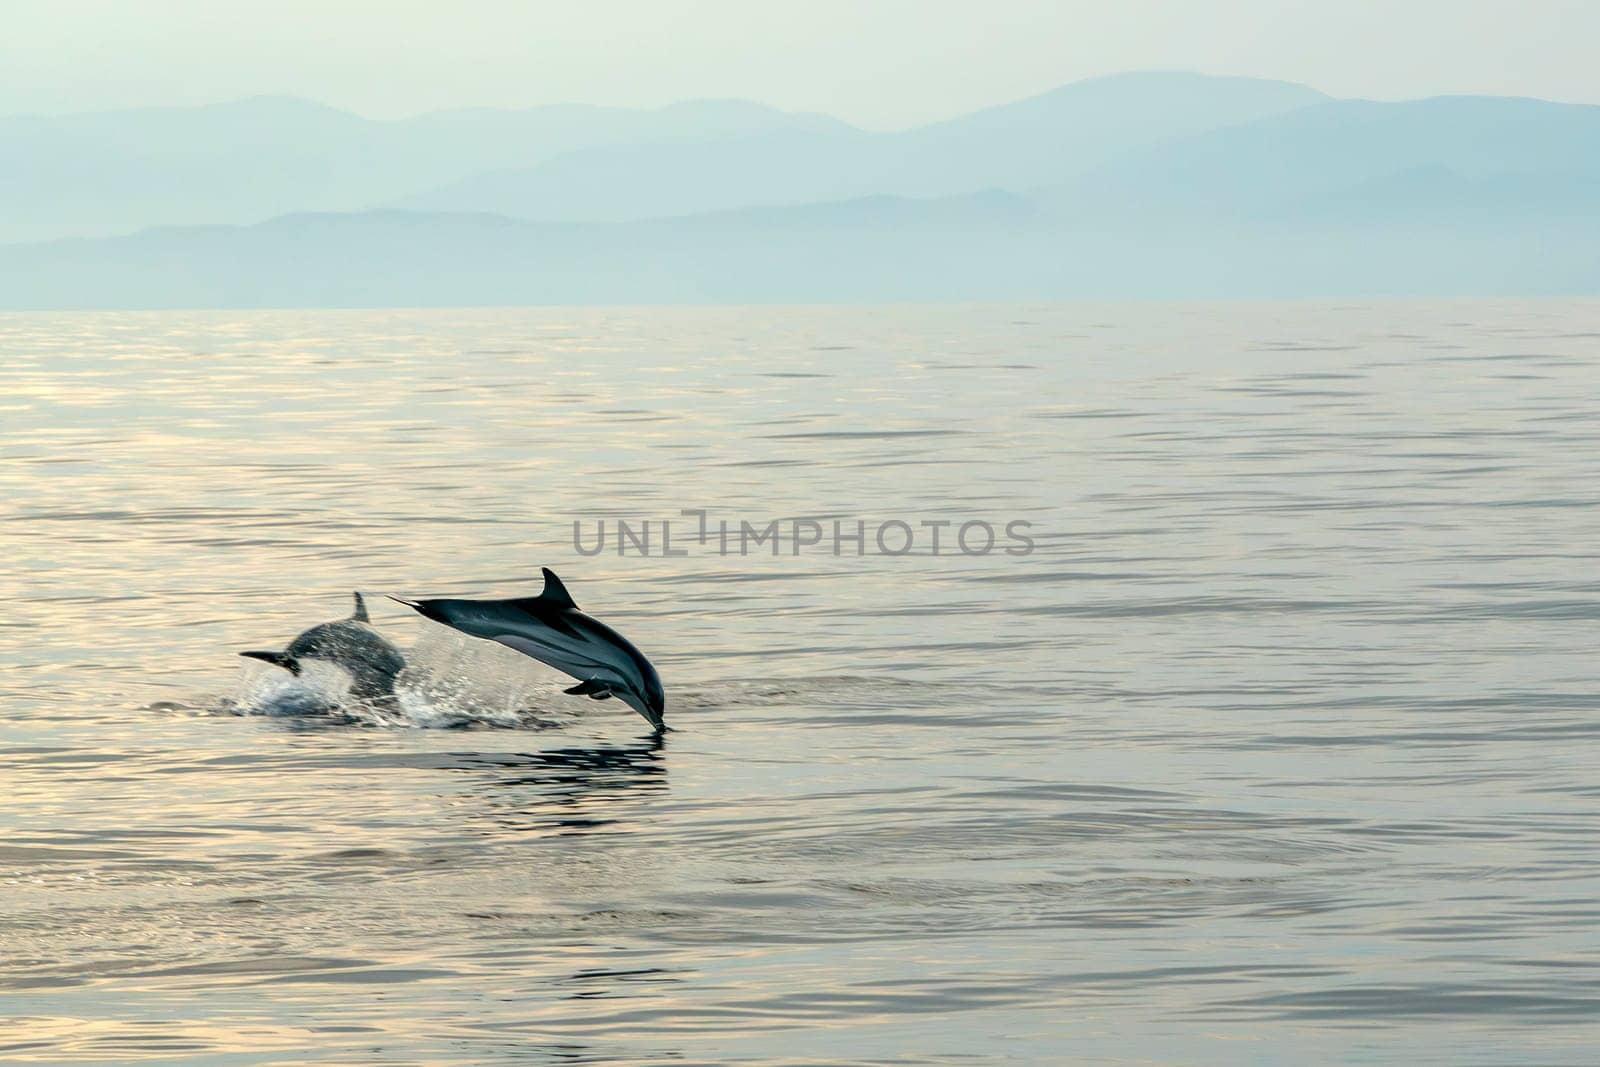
(360, 614)
(555, 594)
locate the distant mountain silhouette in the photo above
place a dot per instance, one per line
(243, 162)
(819, 251)
(250, 160)
(993, 246)
(1013, 146)
(1353, 152)
(1151, 185)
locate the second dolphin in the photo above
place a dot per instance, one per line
(351, 644)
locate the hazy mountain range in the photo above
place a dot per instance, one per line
(1159, 184)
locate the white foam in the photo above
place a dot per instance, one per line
(449, 683)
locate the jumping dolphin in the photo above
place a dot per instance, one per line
(550, 628)
(351, 644)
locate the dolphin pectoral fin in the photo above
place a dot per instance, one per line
(595, 690)
(277, 659)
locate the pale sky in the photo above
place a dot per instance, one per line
(878, 63)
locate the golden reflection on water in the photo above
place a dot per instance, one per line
(1301, 664)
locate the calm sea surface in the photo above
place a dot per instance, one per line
(1281, 745)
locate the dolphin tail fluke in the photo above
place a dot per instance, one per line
(277, 659)
(360, 614)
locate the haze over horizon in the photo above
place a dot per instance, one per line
(889, 65)
(353, 155)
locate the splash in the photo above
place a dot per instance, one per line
(448, 684)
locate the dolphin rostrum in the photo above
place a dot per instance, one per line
(550, 628)
(371, 662)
